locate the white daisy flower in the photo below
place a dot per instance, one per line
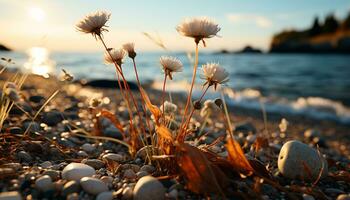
(214, 74)
(169, 108)
(94, 23)
(130, 48)
(170, 65)
(114, 55)
(209, 108)
(198, 28)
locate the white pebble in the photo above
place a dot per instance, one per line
(44, 183)
(105, 196)
(149, 188)
(93, 185)
(76, 171)
(113, 157)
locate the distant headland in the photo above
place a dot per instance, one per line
(4, 48)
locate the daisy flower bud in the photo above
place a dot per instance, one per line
(11, 91)
(170, 65)
(169, 108)
(94, 23)
(198, 28)
(114, 55)
(129, 47)
(214, 74)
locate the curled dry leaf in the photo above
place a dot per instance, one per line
(237, 158)
(152, 108)
(201, 175)
(165, 139)
(113, 119)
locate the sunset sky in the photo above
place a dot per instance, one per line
(50, 23)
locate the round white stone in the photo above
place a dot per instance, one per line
(44, 183)
(105, 196)
(93, 185)
(297, 160)
(113, 157)
(76, 171)
(149, 188)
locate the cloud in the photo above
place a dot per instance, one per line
(258, 20)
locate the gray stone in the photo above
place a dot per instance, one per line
(148, 168)
(113, 157)
(82, 154)
(308, 197)
(55, 175)
(297, 160)
(44, 183)
(46, 164)
(87, 147)
(70, 187)
(24, 156)
(15, 130)
(127, 193)
(76, 171)
(95, 163)
(149, 188)
(31, 126)
(105, 196)
(141, 174)
(73, 196)
(52, 118)
(93, 185)
(112, 131)
(129, 174)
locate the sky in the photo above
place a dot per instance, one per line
(50, 23)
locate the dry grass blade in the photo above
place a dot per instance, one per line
(158, 41)
(198, 170)
(152, 108)
(113, 119)
(237, 158)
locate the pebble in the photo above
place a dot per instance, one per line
(112, 131)
(141, 174)
(70, 187)
(148, 168)
(93, 185)
(292, 157)
(87, 147)
(44, 183)
(127, 193)
(82, 154)
(308, 197)
(130, 174)
(73, 196)
(24, 156)
(76, 171)
(343, 197)
(13, 195)
(105, 196)
(15, 130)
(113, 157)
(46, 164)
(55, 175)
(311, 133)
(173, 194)
(334, 191)
(148, 188)
(95, 163)
(36, 98)
(52, 118)
(34, 127)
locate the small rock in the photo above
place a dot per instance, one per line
(15, 130)
(55, 175)
(93, 185)
(95, 163)
(52, 118)
(36, 98)
(70, 187)
(73, 196)
(31, 126)
(87, 147)
(311, 133)
(141, 174)
(105, 196)
(46, 164)
(127, 193)
(24, 156)
(112, 131)
(334, 191)
(13, 195)
(82, 154)
(76, 171)
(308, 197)
(149, 188)
(245, 127)
(129, 174)
(173, 194)
(113, 157)
(15, 166)
(343, 197)
(295, 156)
(148, 168)
(44, 183)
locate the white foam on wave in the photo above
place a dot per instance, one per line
(310, 107)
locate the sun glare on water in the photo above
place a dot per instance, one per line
(37, 14)
(39, 62)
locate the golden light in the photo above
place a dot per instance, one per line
(39, 62)
(37, 14)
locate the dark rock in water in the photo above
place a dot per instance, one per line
(4, 48)
(249, 49)
(108, 84)
(52, 118)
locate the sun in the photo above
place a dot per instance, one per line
(37, 14)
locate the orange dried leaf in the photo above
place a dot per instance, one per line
(199, 172)
(164, 133)
(237, 157)
(260, 142)
(113, 119)
(152, 108)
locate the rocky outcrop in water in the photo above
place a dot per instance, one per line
(4, 48)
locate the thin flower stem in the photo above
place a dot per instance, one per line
(163, 95)
(192, 84)
(183, 130)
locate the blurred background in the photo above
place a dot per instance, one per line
(294, 56)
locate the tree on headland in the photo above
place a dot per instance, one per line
(316, 28)
(330, 24)
(346, 23)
